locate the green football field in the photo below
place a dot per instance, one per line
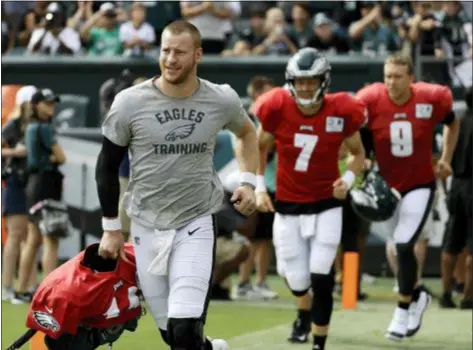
(263, 325)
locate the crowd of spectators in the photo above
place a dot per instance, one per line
(238, 28)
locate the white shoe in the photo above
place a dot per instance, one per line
(416, 312)
(266, 292)
(246, 292)
(396, 287)
(7, 294)
(220, 344)
(397, 330)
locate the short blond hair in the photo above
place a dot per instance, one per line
(182, 26)
(401, 59)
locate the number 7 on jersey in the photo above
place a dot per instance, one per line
(307, 144)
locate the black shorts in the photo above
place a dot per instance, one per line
(460, 223)
(41, 186)
(264, 226)
(352, 226)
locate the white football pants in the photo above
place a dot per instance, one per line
(306, 244)
(183, 292)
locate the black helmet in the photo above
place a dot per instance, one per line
(374, 200)
(308, 63)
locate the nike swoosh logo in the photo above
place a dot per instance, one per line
(193, 231)
(48, 309)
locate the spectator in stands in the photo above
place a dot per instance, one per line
(8, 32)
(53, 37)
(250, 36)
(30, 22)
(101, 32)
(137, 36)
(14, 174)
(460, 206)
(84, 11)
(301, 28)
(211, 20)
(44, 155)
(228, 26)
(346, 13)
(370, 35)
(326, 37)
(422, 26)
(160, 13)
(454, 38)
(278, 41)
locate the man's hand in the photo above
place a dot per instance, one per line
(443, 169)
(340, 189)
(112, 245)
(244, 200)
(264, 203)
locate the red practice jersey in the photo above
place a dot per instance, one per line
(307, 147)
(402, 135)
(74, 295)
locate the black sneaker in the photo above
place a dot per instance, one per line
(219, 293)
(446, 301)
(466, 304)
(300, 332)
(22, 298)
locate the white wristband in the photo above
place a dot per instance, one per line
(111, 224)
(349, 178)
(260, 185)
(248, 179)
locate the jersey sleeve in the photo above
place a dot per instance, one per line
(237, 116)
(116, 126)
(356, 115)
(266, 110)
(442, 97)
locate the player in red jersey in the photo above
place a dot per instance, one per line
(87, 302)
(308, 127)
(401, 117)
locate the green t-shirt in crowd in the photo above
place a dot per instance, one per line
(105, 42)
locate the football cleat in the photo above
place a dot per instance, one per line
(397, 329)
(300, 332)
(416, 312)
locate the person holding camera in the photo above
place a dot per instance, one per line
(14, 174)
(278, 40)
(101, 31)
(370, 35)
(53, 37)
(47, 221)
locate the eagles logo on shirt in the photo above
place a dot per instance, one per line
(46, 321)
(181, 132)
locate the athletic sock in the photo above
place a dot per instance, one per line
(319, 342)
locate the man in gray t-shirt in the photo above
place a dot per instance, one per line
(169, 124)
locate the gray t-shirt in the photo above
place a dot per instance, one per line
(171, 143)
